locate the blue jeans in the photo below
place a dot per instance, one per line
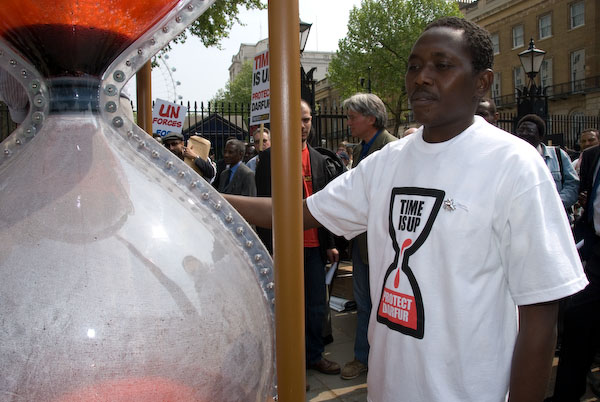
(314, 303)
(362, 296)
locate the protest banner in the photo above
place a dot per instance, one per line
(261, 94)
(167, 117)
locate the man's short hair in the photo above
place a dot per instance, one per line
(238, 145)
(478, 39)
(535, 119)
(264, 130)
(368, 105)
(493, 109)
(592, 130)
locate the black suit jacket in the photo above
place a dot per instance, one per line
(242, 182)
(320, 177)
(589, 161)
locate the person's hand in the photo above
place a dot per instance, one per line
(188, 152)
(333, 255)
(582, 200)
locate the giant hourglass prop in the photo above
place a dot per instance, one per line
(123, 275)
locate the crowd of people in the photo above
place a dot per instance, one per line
(462, 237)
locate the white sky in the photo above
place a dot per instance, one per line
(202, 71)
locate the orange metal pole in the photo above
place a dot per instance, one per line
(284, 65)
(144, 97)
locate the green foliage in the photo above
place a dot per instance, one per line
(380, 36)
(240, 89)
(217, 21)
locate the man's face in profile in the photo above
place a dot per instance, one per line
(484, 109)
(231, 154)
(175, 146)
(588, 139)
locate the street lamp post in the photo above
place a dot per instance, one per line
(307, 82)
(531, 99)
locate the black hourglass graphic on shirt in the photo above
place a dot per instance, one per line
(412, 213)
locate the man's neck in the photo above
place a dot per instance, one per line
(445, 132)
(370, 136)
(304, 144)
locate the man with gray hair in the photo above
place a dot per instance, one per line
(367, 117)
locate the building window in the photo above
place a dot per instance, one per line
(496, 85)
(545, 26)
(546, 75)
(577, 14)
(519, 79)
(577, 69)
(517, 36)
(496, 43)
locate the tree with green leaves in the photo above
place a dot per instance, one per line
(215, 23)
(240, 89)
(380, 36)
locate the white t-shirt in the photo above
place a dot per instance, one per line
(477, 226)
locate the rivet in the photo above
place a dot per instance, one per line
(190, 7)
(264, 271)
(13, 63)
(110, 107)
(178, 19)
(141, 145)
(129, 133)
(24, 73)
(18, 141)
(193, 184)
(205, 196)
(181, 173)
(240, 231)
(169, 165)
(117, 122)
(270, 285)
(30, 132)
(110, 90)
(165, 29)
(6, 151)
(249, 244)
(140, 51)
(152, 42)
(229, 218)
(39, 100)
(34, 85)
(218, 206)
(38, 117)
(119, 76)
(155, 154)
(128, 63)
(257, 257)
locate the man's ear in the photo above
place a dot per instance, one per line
(485, 79)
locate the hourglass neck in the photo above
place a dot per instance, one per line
(74, 94)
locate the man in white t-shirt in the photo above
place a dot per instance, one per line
(457, 239)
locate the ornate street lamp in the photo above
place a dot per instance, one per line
(531, 60)
(531, 99)
(307, 82)
(304, 31)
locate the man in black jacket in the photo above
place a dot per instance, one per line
(318, 244)
(581, 336)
